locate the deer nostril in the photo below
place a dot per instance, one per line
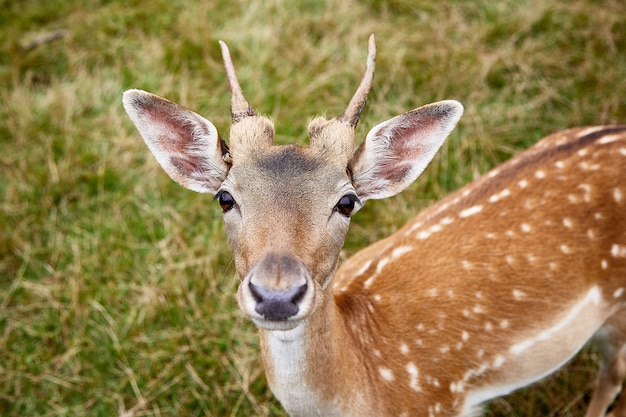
(277, 304)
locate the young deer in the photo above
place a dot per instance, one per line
(490, 289)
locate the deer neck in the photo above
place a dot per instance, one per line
(308, 367)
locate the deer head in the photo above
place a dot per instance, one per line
(287, 208)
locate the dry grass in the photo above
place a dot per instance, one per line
(116, 285)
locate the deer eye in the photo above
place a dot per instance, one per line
(346, 204)
(226, 200)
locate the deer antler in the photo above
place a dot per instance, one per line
(239, 107)
(355, 107)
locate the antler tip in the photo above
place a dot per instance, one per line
(355, 107)
(371, 49)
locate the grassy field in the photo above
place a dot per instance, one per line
(117, 285)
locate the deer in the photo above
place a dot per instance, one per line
(490, 289)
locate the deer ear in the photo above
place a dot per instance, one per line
(397, 151)
(186, 145)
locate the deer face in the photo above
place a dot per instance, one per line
(286, 212)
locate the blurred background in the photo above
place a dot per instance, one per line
(117, 285)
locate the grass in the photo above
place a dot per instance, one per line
(117, 286)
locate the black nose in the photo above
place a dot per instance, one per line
(277, 304)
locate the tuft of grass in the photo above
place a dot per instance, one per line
(117, 286)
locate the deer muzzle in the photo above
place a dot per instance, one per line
(278, 288)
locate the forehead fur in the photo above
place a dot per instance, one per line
(332, 137)
(249, 135)
(294, 173)
(330, 140)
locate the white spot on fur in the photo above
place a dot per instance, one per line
(518, 294)
(587, 189)
(568, 223)
(413, 228)
(583, 152)
(413, 376)
(369, 281)
(401, 250)
(433, 292)
(488, 326)
(444, 349)
(566, 249)
(467, 265)
(608, 139)
(622, 151)
(465, 336)
(424, 234)
(381, 264)
(498, 361)
(364, 268)
(386, 373)
(604, 264)
(589, 130)
(591, 233)
(526, 227)
(618, 251)
(523, 184)
(617, 195)
(589, 167)
(457, 387)
(499, 196)
(493, 173)
(447, 220)
(470, 211)
(540, 174)
(504, 324)
(420, 327)
(404, 348)
(559, 164)
(618, 293)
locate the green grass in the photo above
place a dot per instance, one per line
(117, 286)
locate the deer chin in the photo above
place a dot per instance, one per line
(273, 325)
